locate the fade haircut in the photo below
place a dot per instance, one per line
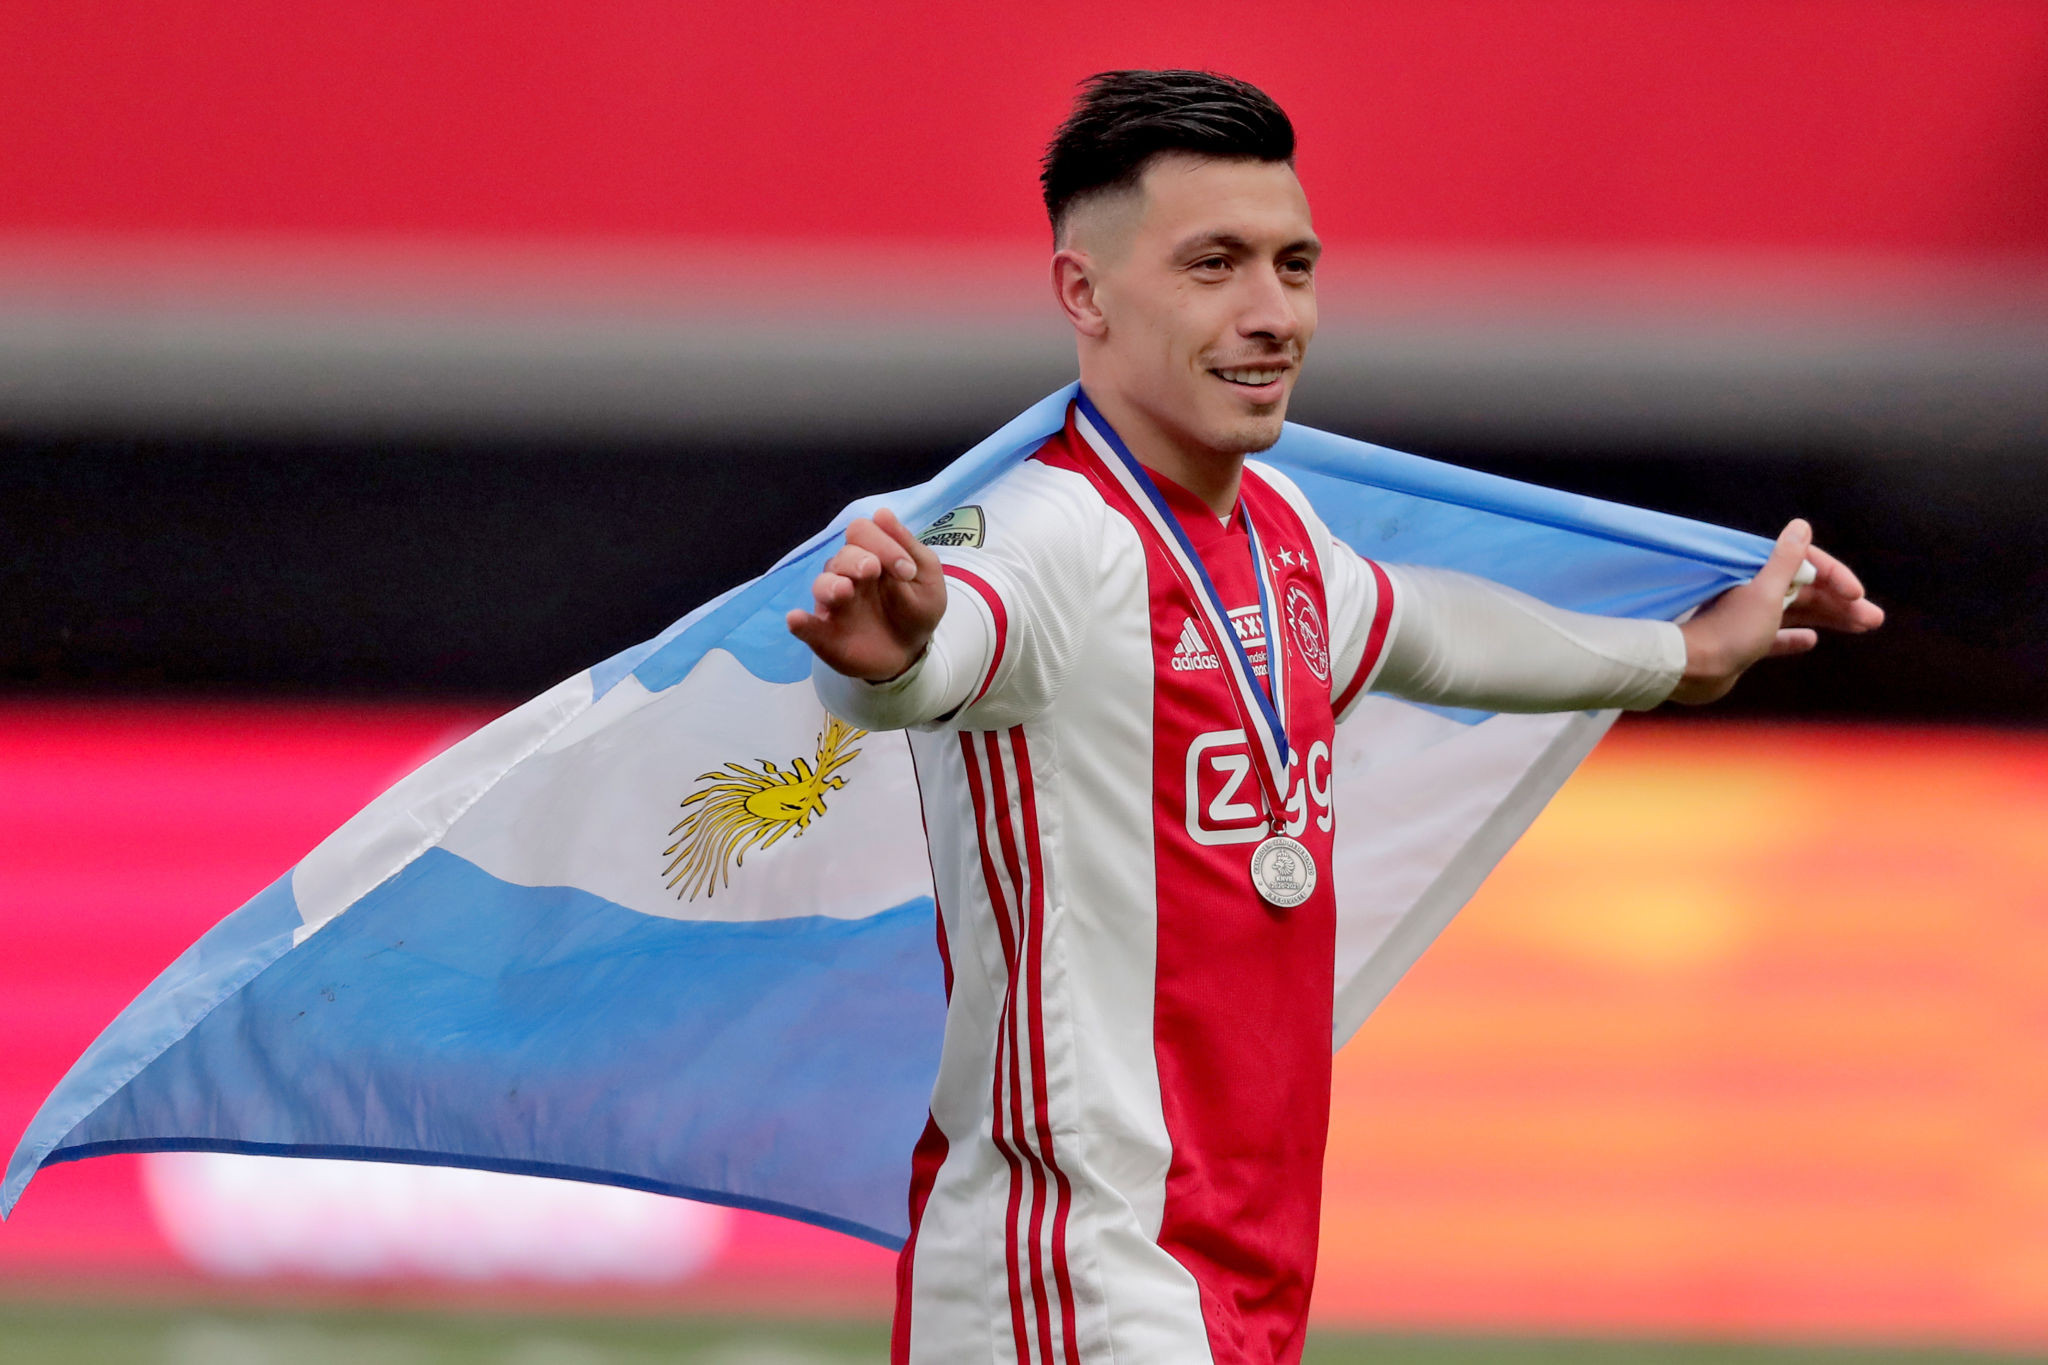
(1124, 119)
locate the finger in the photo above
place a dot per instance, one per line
(878, 542)
(1853, 616)
(854, 562)
(1832, 575)
(813, 629)
(923, 559)
(1775, 577)
(829, 590)
(1791, 642)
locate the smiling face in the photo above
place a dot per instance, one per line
(1194, 298)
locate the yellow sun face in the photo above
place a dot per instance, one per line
(791, 801)
(737, 808)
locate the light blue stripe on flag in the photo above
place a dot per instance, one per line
(781, 1065)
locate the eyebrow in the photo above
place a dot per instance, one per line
(1230, 241)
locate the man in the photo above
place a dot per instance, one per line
(1123, 669)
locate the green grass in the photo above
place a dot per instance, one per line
(78, 1333)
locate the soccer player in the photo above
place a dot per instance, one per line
(1122, 670)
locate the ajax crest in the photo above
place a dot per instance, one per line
(737, 808)
(1307, 624)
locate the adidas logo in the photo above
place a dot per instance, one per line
(1190, 653)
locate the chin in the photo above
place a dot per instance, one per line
(1250, 435)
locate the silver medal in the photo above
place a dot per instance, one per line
(1283, 871)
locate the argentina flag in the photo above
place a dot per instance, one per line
(670, 925)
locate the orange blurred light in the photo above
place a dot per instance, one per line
(1745, 1036)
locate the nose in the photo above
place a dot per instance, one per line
(1272, 308)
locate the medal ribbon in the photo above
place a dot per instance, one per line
(1264, 717)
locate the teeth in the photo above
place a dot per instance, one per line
(1251, 376)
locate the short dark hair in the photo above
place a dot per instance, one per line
(1123, 119)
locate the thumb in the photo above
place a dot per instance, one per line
(1775, 578)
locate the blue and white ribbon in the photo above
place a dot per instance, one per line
(1264, 716)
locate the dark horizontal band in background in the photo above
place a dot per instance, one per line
(492, 567)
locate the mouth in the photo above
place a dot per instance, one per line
(1259, 383)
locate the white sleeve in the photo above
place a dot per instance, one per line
(1458, 640)
(1018, 599)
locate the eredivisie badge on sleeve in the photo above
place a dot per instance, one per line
(1283, 871)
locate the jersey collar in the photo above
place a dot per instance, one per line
(1196, 518)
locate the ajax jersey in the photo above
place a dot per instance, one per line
(1124, 1155)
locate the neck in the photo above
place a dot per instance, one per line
(1210, 475)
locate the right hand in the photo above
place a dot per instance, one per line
(875, 606)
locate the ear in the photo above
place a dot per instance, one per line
(1073, 284)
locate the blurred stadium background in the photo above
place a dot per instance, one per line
(365, 369)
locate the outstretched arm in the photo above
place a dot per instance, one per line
(976, 635)
(1464, 641)
(1460, 640)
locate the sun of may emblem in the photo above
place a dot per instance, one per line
(736, 808)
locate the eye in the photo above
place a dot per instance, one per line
(1213, 263)
(1300, 268)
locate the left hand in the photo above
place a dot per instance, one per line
(1750, 623)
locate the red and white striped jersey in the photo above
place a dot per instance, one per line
(1124, 1155)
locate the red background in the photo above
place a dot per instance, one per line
(1916, 126)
